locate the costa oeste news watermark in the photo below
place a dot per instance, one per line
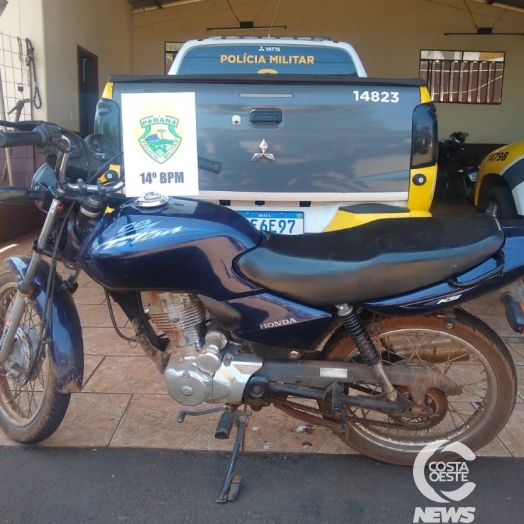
(439, 471)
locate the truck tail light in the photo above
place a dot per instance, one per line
(107, 121)
(425, 136)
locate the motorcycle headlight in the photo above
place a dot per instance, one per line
(43, 180)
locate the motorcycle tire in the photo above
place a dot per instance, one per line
(500, 204)
(469, 352)
(31, 409)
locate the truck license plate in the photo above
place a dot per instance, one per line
(282, 222)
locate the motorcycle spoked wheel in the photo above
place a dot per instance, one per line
(470, 353)
(30, 410)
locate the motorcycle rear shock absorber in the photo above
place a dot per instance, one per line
(369, 353)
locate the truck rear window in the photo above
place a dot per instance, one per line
(245, 59)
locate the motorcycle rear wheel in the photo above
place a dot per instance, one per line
(470, 352)
(31, 409)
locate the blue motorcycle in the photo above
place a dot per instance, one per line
(364, 321)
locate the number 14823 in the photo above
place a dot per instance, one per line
(377, 96)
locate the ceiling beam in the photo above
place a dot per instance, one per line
(153, 5)
(514, 5)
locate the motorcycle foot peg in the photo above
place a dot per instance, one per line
(514, 312)
(225, 425)
(336, 398)
(336, 390)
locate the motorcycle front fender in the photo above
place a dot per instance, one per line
(65, 331)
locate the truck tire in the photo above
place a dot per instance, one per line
(500, 204)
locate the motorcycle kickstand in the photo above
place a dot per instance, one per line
(232, 483)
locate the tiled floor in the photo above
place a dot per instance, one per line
(125, 403)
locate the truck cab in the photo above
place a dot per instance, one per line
(284, 55)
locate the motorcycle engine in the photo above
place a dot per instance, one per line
(204, 366)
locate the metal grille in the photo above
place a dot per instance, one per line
(457, 77)
(16, 86)
(16, 79)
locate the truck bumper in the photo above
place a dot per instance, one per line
(352, 216)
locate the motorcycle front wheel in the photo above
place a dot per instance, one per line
(31, 409)
(467, 351)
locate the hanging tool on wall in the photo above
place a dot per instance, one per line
(21, 59)
(8, 164)
(30, 62)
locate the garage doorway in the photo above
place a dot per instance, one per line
(87, 90)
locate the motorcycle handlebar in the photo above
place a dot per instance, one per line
(17, 195)
(82, 187)
(50, 136)
(23, 138)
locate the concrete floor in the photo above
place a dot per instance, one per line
(124, 401)
(160, 486)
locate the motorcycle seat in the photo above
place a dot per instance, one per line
(379, 259)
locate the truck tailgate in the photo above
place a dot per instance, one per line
(297, 138)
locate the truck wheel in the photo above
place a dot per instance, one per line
(499, 203)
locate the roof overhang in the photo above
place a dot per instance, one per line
(138, 6)
(516, 5)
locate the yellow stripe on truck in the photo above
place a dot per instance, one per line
(421, 196)
(108, 91)
(497, 162)
(425, 97)
(344, 219)
(419, 203)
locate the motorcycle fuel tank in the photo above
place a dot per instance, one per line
(180, 244)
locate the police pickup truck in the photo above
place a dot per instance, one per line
(289, 132)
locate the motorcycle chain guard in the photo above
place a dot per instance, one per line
(320, 374)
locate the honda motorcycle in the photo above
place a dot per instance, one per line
(357, 330)
(457, 172)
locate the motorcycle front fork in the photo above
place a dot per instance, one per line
(25, 286)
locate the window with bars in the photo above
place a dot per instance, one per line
(170, 51)
(463, 77)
